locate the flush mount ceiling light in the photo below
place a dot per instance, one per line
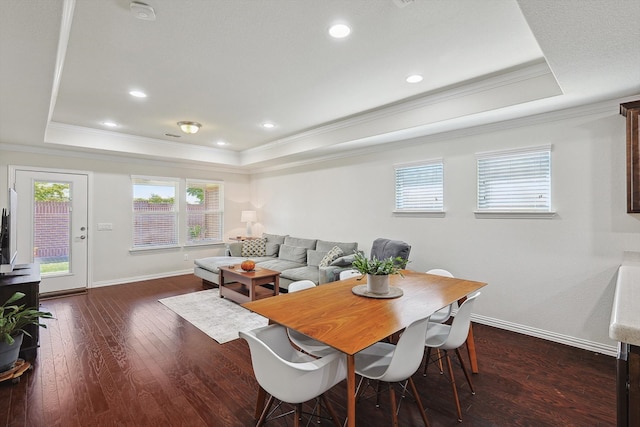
(138, 94)
(268, 125)
(339, 31)
(415, 78)
(189, 127)
(142, 11)
(110, 124)
(221, 143)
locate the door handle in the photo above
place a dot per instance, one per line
(83, 237)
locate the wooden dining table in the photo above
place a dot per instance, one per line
(333, 314)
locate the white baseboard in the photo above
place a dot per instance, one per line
(609, 350)
(122, 281)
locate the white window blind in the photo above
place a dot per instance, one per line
(515, 180)
(420, 187)
(204, 211)
(155, 212)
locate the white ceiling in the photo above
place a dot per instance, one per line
(67, 66)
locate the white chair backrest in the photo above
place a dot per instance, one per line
(460, 325)
(349, 273)
(300, 285)
(440, 272)
(287, 374)
(408, 354)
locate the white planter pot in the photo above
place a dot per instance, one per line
(378, 284)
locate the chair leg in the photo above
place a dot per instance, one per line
(453, 385)
(265, 411)
(394, 408)
(466, 372)
(331, 411)
(439, 361)
(426, 361)
(418, 402)
(297, 415)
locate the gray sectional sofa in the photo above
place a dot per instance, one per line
(295, 258)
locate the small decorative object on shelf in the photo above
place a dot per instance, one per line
(248, 265)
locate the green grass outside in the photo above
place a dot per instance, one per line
(54, 267)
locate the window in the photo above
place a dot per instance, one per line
(204, 212)
(420, 187)
(155, 212)
(512, 181)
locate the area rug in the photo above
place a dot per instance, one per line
(217, 317)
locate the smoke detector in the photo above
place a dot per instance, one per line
(142, 11)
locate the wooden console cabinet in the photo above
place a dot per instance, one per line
(24, 278)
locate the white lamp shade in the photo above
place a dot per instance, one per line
(248, 216)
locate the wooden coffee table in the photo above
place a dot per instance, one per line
(244, 286)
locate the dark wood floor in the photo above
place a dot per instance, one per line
(117, 357)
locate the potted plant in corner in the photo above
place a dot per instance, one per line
(13, 318)
(378, 271)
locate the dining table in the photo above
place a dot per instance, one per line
(336, 315)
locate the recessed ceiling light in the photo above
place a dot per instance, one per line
(268, 125)
(110, 124)
(138, 94)
(415, 78)
(221, 143)
(339, 31)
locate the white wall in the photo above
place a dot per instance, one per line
(111, 261)
(552, 278)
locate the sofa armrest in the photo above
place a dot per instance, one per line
(330, 273)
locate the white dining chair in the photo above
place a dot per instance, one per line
(392, 363)
(450, 337)
(302, 341)
(443, 314)
(289, 375)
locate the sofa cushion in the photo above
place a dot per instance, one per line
(308, 272)
(347, 247)
(280, 264)
(235, 249)
(315, 257)
(303, 243)
(274, 238)
(255, 247)
(293, 253)
(272, 249)
(331, 256)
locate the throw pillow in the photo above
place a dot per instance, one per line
(331, 256)
(255, 247)
(272, 249)
(293, 253)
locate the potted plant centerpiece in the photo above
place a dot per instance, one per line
(13, 319)
(378, 271)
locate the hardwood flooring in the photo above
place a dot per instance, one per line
(117, 357)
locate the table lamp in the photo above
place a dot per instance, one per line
(248, 217)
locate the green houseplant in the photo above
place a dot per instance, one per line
(378, 271)
(13, 319)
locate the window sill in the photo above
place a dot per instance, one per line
(204, 243)
(423, 214)
(515, 214)
(154, 248)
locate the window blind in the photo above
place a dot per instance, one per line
(155, 212)
(515, 181)
(204, 211)
(420, 187)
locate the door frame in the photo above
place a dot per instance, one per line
(90, 225)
